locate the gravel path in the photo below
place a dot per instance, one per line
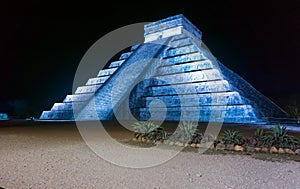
(60, 159)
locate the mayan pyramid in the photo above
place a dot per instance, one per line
(177, 78)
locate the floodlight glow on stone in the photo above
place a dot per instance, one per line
(203, 84)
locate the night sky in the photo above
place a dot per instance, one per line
(42, 44)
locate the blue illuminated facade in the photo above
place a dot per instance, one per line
(175, 68)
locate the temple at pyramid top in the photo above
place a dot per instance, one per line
(171, 76)
(168, 27)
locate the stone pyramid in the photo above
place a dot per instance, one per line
(176, 78)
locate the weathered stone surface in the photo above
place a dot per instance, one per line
(220, 146)
(211, 147)
(250, 149)
(134, 139)
(116, 63)
(177, 70)
(289, 151)
(230, 147)
(257, 149)
(106, 72)
(281, 151)
(77, 97)
(273, 150)
(264, 149)
(171, 26)
(239, 148)
(297, 151)
(97, 80)
(180, 144)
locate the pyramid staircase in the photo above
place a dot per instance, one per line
(83, 94)
(185, 67)
(178, 70)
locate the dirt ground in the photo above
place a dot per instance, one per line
(54, 155)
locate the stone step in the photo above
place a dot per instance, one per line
(222, 98)
(109, 96)
(125, 55)
(57, 115)
(181, 42)
(197, 56)
(189, 77)
(185, 67)
(46, 115)
(181, 50)
(106, 72)
(240, 108)
(78, 97)
(135, 47)
(87, 89)
(116, 63)
(97, 80)
(191, 88)
(203, 111)
(66, 106)
(161, 34)
(192, 116)
(179, 37)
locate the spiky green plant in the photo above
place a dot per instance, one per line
(209, 138)
(233, 137)
(280, 138)
(186, 131)
(257, 138)
(196, 138)
(149, 130)
(259, 132)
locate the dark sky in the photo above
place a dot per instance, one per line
(42, 44)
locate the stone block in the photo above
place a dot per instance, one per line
(186, 67)
(77, 97)
(181, 50)
(87, 89)
(106, 72)
(181, 42)
(116, 63)
(125, 55)
(189, 77)
(97, 80)
(197, 56)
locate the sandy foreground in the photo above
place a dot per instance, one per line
(57, 157)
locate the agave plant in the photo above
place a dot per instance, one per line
(186, 132)
(157, 134)
(149, 130)
(233, 137)
(209, 138)
(280, 138)
(258, 138)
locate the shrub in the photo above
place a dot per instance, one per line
(210, 138)
(196, 138)
(258, 138)
(149, 130)
(280, 138)
(157, 134)
(186, 132)
(233, 137)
